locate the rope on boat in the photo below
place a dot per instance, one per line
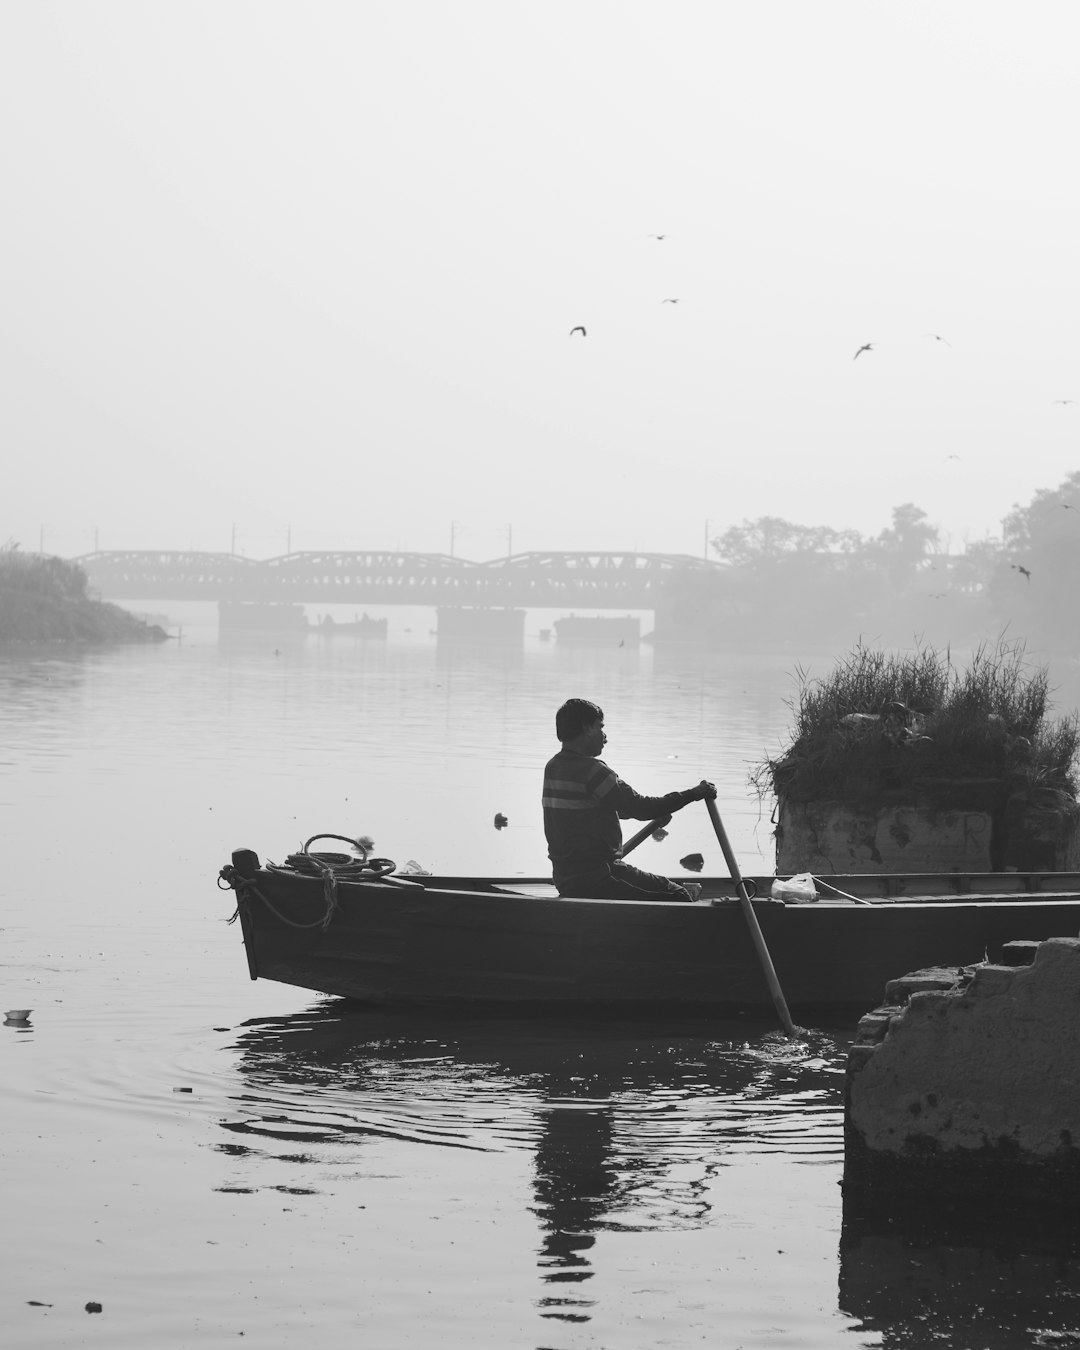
(331, 867)
(243, 888)
(836, 891)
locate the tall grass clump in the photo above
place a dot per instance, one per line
(40, 576)
(45, 599)
(886, 726)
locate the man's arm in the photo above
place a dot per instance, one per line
(631, 805)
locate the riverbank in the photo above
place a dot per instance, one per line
(45, 599)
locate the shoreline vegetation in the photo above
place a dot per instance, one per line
(912, 726)
(45, 599)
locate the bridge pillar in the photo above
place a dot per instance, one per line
(465, 624)
(260, 616)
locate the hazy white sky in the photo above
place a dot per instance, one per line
(308, 269)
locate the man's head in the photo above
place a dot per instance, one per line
(579, 724)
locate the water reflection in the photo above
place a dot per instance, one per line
(31, 673)
(961, 1274)
(627, 1123)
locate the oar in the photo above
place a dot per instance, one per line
(642, 835)
(751, 921)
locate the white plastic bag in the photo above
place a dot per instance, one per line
(797, 890)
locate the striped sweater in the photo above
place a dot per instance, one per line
(584, 801)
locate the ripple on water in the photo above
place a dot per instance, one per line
(328, 1079)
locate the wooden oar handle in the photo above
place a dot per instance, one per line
(756, 935)
(642, 835)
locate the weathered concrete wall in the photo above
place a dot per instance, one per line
(833, 837)
(1038, 831)
(975, 1081)
(1041, 829)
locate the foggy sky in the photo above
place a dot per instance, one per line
(307, 271)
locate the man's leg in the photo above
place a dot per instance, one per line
(623, 882)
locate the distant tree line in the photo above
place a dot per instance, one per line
(785, 583)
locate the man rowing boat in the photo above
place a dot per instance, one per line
(584, 801)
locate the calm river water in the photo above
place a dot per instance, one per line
(209, 1159)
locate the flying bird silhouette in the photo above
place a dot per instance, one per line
(657, 236)
(1063, 400)
(1022, 570)
(669, 302)
(866, 347)
(578, 329)
(938, 338)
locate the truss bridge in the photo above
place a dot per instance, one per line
(622, 581)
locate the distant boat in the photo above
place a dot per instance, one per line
(328, 626)
(237, 618)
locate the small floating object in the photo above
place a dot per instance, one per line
(181, 1089)
(18, 1015)
(500, 821)
(659, 834)
(693, 862)
(93, 1307)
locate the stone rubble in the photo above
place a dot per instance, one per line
(967, 1079)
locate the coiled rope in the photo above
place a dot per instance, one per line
(331, 867)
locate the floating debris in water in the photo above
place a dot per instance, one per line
(181, 1089)
(693, 862)
(93, 1307)
(500, 821)
(659, 834)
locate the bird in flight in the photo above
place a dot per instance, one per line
(669, 302)
(657, 236)
(1022, 570)
(952, 456)
(1063, 400)
(866, 347)
(580, 328)
(938, 338)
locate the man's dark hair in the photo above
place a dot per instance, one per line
(574, 716)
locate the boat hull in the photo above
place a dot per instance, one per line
(397, 944)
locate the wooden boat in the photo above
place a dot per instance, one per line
(359, 928)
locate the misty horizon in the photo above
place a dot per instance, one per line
(318, 271)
